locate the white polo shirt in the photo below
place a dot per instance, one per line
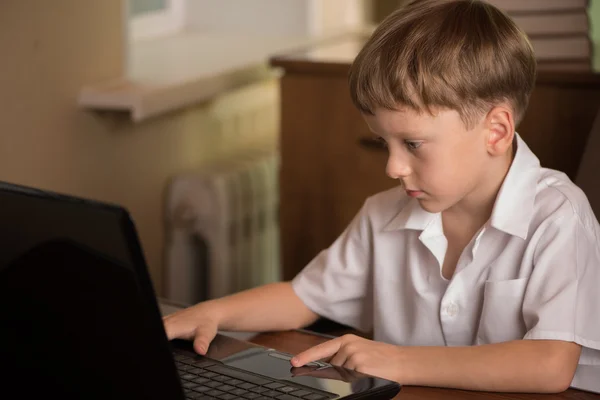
(532, 272)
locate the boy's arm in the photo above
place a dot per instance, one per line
(272, 307)
(538, 366)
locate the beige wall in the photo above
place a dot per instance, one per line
(50, 49)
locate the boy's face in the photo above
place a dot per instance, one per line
(437, 159)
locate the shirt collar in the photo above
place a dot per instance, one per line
(411, 216)
(513, 208)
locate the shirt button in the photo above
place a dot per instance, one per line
(452, 309)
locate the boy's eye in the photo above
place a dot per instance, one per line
(381, 141)
(412, 145)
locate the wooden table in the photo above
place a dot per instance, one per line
(297, 341)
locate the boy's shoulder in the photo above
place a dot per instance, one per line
(383, 207)
(558, 197)
(390, 198)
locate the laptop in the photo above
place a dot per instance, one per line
(79, 319)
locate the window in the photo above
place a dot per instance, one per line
(154, 18)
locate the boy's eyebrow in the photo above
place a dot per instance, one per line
(405, 135)
(415, 136)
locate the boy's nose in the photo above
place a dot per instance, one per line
(397, 168)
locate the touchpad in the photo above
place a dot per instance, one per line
(269, 363)
(316, 375)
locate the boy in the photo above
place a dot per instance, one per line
(479, 271)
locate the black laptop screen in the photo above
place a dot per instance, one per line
(77, 315)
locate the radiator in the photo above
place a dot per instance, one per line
(222, 228)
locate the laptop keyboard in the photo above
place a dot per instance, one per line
(204, 379)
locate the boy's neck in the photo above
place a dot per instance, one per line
(475, 209)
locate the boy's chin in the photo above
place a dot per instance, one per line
(431, 206)
(428, 205)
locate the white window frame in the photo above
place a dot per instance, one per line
(351, 16)
(155, 24)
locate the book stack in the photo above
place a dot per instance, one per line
(559, 31)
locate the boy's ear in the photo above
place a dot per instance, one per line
(500, 126)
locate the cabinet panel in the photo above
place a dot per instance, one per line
(325, 174)
(557, 124)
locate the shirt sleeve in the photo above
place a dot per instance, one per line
(562, 301)
(336, 284)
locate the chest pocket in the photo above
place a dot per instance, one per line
(501, 317)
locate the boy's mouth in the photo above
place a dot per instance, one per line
(414, 193)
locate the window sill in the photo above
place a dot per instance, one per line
(175, 72)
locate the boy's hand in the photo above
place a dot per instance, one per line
(339, 374)
(356, 353)
(198, 323)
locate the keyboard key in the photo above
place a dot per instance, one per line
(228, 396)
(259, 389)
(188, 377)
(183, 359)
(251, 395)
(246, 385)
(287, 397)
(214, 393)
(189, 385)
(195, 371)
(203, 362)
(202, 389)
(222, 370)
(200, 380)
(225, 388)
(286, 389)
(315, 397)
(213, 384)
(300, 393)
(238, 391)
(271, 393)
(234, 382)
(183, 367)
(274, 385)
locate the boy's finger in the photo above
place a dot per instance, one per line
(200, 345)
(177, 329)
(169, 329)
(318, 352)
(202, 340)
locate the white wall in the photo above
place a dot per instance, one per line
(50, 49)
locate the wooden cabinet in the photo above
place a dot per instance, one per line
(325, 175)
(330, 164)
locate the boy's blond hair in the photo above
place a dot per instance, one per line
(464, 55)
